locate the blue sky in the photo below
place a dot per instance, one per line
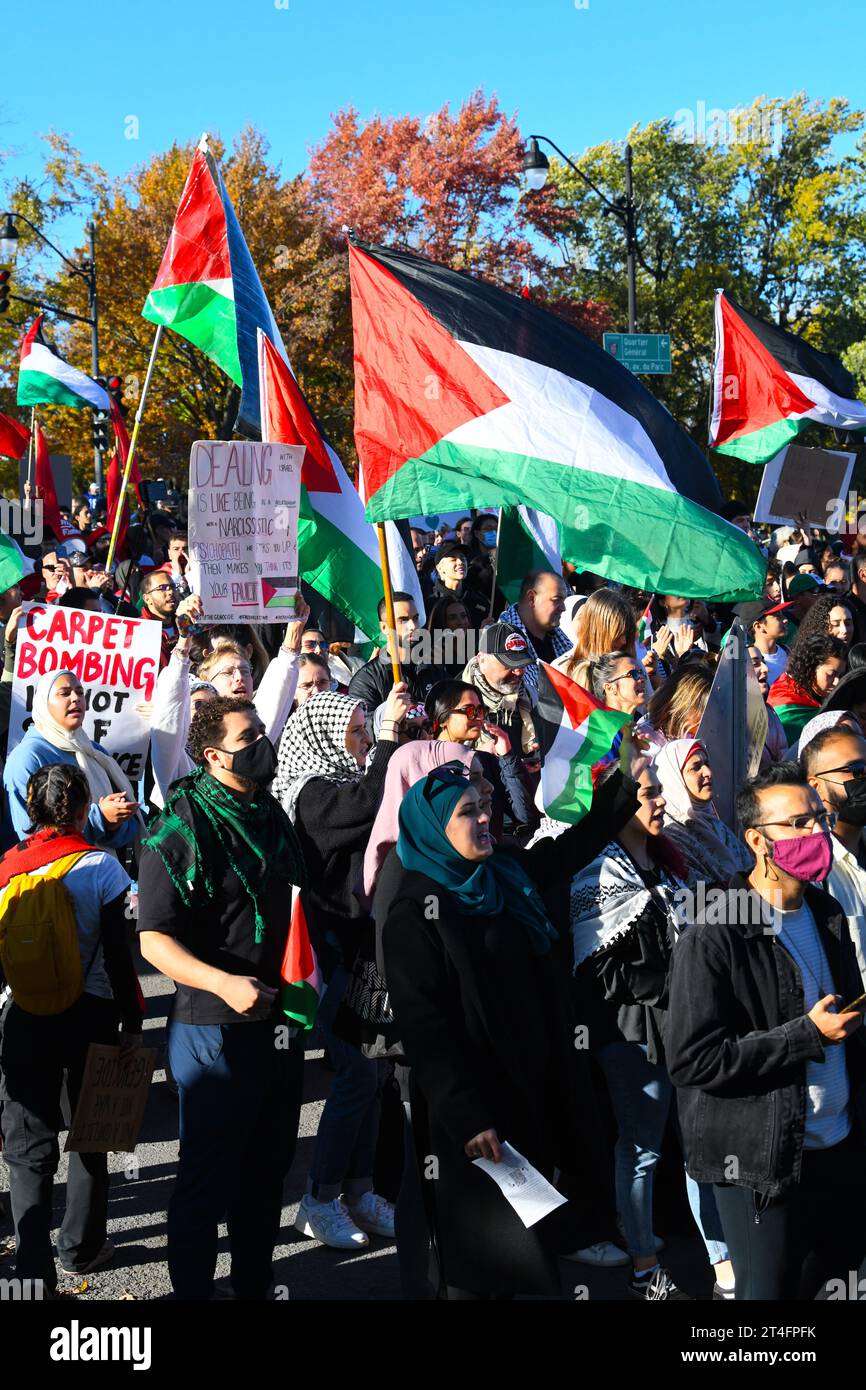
(580, 75)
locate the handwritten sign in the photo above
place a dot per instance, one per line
(111, 1102)
(243, 529)
(116, 660)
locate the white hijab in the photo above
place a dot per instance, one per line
(103, 774)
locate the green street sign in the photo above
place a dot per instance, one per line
(643, 353)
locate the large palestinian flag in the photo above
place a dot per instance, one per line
(44, 378)
(207, 288)
(337, 547)
(468, 396)
(768, 385)
(576, 733)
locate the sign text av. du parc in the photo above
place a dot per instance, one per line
(116, 660)
(243, 529)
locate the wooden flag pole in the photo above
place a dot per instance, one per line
(389, 602)
(124, 484)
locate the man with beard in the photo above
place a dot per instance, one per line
(537, 613)
(160, 601)
(834, 763)
(372, 683)
(498, 673)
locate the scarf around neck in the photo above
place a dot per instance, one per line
(103, 774)
(204, 824)
(504, 704)
(314, 745)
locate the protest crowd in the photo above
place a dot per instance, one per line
(502, 979)
(562, 874)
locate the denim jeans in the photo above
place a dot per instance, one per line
(346, 1142)
(240, 1099)
(640, 1093)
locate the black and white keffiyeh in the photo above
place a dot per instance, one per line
(608, 897)
(314, 745)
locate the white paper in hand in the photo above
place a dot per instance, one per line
(527, 1190)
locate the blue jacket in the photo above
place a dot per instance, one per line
(34, 751)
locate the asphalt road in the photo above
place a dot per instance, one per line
(303, 1268)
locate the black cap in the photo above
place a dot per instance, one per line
(451, 548)
(507, 644)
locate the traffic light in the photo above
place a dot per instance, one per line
(114, 387)
(100, 430)
(5, 276)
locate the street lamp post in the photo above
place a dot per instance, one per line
(87, 270)
(536, 166)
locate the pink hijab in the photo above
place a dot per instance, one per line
(412, 762)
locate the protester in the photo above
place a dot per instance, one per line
(776, 741)
(160, 602)
(711, 852)
(624, 925)
(855, 598)
(176, 566)
(56, 736)
(451, 567)
(450, 640)
(457, 716)
(604, 623)
(43, 1049)
(849, 693)
(676, 709)
(834, 763)
(314, 676)
(225, 635)
(767, 627)
(373, 682)
(215, 881)
(800, 592)
(484, 532)
(332, 801)
(828, 615)
(539, 607)
(227, 672)
(484, 1021)
(618, 681)
(772, 1101)
(813, 672)
(498, 675)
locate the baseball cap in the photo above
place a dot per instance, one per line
(803, 584)
(750, 612)
(449, 548)
(507, 644)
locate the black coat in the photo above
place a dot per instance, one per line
(738, 1040)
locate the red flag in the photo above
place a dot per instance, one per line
(13, 437)
(122, 439)
(113, 480)
(45, 488)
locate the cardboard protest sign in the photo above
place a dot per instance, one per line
(243, 529)
(117, 661)
(111, 1101)
(803, 482)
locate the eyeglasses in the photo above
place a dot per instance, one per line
(826, 819)
(473, 713)
(857, 770)
(439, 774)
(234, 671)
(160, 589)
(634, 674)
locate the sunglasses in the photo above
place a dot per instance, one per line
(634, 674)
(857, 770)
(474, 714)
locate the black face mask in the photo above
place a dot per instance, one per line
(853, 804)
(257, 762)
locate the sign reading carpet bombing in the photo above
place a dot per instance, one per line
(243, 529)
(116, 660)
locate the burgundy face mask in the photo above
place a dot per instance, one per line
(806, 857)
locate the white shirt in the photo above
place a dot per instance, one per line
(847, 883)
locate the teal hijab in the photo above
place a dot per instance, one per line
(497, 884)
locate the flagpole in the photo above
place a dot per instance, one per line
(31, 445)
(389, 602)
(495, 565)
(124, 483)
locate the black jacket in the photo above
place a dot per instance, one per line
(738, 1040)
(374, 681)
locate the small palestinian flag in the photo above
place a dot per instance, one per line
(576, 733)
(466, 396)
(768, 385)
(279, 593)
(300, 979)
(645, 626)
(45, 379)
(11, 563)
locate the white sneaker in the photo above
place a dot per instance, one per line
(604, 1253)
(372, 1214)
(330, 1223)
